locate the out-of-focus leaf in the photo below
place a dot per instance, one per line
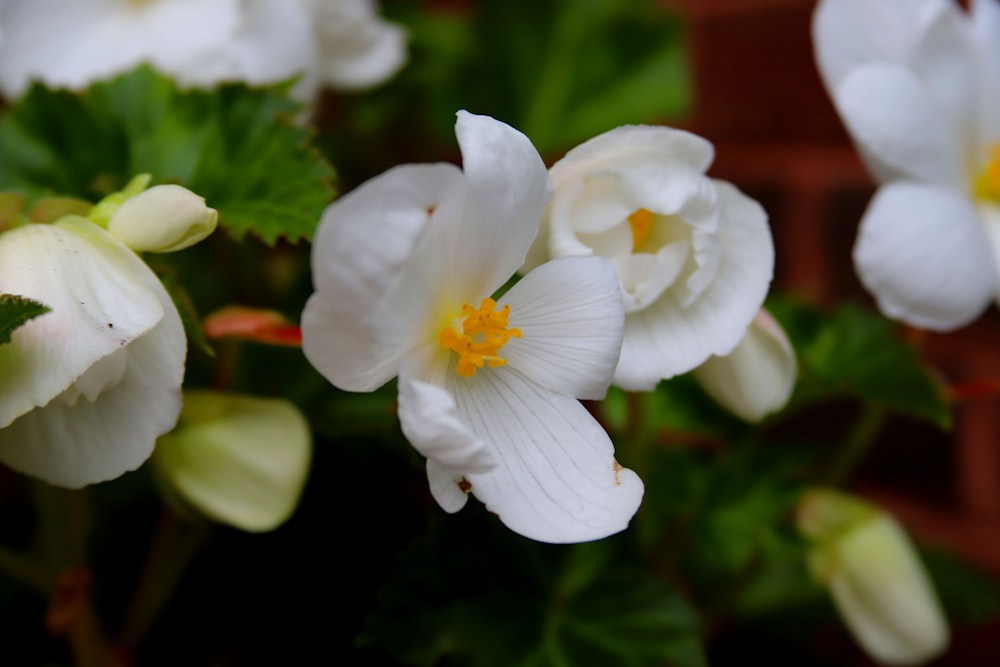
(236, 146)
(857, 353)
(16, 311)
(474, 594)
(967, 595)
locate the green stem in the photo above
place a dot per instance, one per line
(857, 443)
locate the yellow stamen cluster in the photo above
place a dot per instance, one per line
(484, 332)
(641, 222)
(987, 185)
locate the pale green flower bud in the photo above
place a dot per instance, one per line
(163, 218)
(238, 460)
(867, 562)
(758, 376)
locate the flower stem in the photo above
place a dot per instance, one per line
(857, 443)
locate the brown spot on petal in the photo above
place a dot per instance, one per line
(464, 485)
(616, 467)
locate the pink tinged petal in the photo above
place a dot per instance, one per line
(507, 189)
(757, 377)
(849, 34)
(922, 253)
(669, 337)
(93, 441)
(899, 127)
(570, 315)
(556, 478)
(430, 421)
(638, 146)
(97, 308)
(363, 248)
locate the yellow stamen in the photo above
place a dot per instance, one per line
(987, 185)
(484, 332)
(641, 222)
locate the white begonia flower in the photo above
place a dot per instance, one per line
(87, 388)
(239, 460)
(867, 562)
(164, 218)
(693, 255)
(341, 43)
(404, 268)
(758, 376)
(917, 83)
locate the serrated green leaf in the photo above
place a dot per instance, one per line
(236, 146)
(857, 353)
(16, 311)
(474, 594)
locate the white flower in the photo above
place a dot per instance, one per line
(87, 388)
(693, 255)
(71, 44)
(918, 86)
(874, 575)
(758, 376)
(239, 460)
(404, 268)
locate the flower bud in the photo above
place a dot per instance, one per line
(163, 218)
(877, 582)
(758, 376)
(238, 460)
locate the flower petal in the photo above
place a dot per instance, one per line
(507, 189)
(362, 249)
(901, 130)
(556, 478)
(570, 315)
(448, 486)
(922, 252)
(985, 15)
(638, 145)
(430, 421)
(669, 337)
(98, 306)
(88, 442)
(358, 48)
(240, 460)
(758, 376)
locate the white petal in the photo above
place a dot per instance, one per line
(985, 16)
(448, 486)
(757, 377)
(358, 48)
(849, 34)
(645, 277)
(570, 315)
(556, 478)
(922, 252)
(899, 127)
(89, 442)
(638, 146)
(98, 307)
(362, 249)
(669, 338)
(508, 187)
(990, 215)
(240, 460)
(428, 417)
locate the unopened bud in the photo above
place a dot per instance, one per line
(163, 218)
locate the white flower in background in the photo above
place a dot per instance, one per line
(875, 577)
(758, 376)
(693, 255)
(404, 268)
(239, 460)
(86, 388)
(341, 43)
(918, 86)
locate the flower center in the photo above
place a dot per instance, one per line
(484, 332)
(641, 222)
(987, 184)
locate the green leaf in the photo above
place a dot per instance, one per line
(475, 594)
(238, 147)
(857, 353)
(16, 311)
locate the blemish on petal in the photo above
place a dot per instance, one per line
(617, 467)
(464, 485)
